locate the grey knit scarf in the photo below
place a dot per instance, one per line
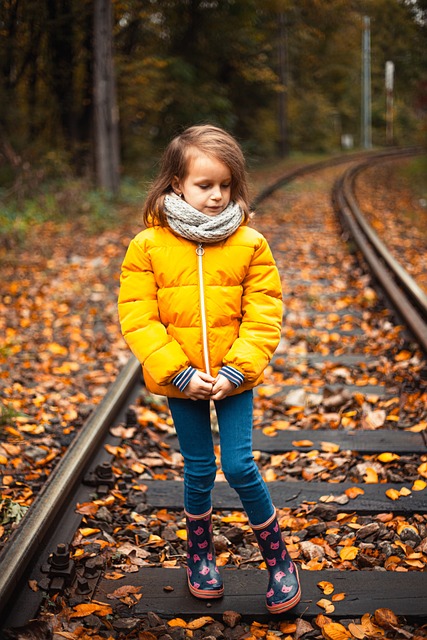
(193, 225)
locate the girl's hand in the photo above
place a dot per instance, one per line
(200, 386)
(222, 387)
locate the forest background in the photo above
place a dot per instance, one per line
(284, 76)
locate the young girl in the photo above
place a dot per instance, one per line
(200, 307)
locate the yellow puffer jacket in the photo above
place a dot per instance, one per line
(170, 298)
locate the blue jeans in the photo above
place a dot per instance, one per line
(193, 427)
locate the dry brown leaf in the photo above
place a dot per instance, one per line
(356, 631)
(326, 605)
(386, 618)
(87, 508)
(374, 419)
(337, 597)
(114, 575)
(123, 591)
(321, 620)
(370, 628)
(302, 627)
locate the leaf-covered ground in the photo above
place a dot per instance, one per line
(404, 234)
(62, 347)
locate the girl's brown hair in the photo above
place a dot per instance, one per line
(207, 139)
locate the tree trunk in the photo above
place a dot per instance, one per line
(106, 109)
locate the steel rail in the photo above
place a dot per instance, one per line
(326, 164)
(20, 549)
(408, 299)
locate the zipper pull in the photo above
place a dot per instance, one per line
(200, 251)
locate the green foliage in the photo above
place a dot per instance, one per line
(415, 173)
(59, 198)
(11, 511)
(8, 413)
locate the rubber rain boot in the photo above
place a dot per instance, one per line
(204, 579)
(284, 590)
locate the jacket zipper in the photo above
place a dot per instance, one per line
(200, 252)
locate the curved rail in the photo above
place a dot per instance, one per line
(408, 299)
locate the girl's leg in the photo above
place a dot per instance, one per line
(192, 424)
(235, 427)
(193, 427)
(235, 424)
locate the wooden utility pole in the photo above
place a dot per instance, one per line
(107, 152)
(366, 85)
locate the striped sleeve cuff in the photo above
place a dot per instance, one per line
(183, 378)
(233, 375)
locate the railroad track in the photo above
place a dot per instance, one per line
(37, 562)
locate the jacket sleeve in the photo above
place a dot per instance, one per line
(160, 354)
(262, 310)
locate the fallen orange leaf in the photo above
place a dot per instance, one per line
(302, 443)
(387, 457)
(419, 485)
(370, 476)
(82, 610)
(393, 494)
(199, 622)
(177, 622)
(326, 605)
(326, 587)
(348, 553)
(329, 447)
(335, 631)
(337, 597)
(422, 469)
(353, 492)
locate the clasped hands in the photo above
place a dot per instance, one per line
(203, 386)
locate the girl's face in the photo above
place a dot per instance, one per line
(207, 185)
